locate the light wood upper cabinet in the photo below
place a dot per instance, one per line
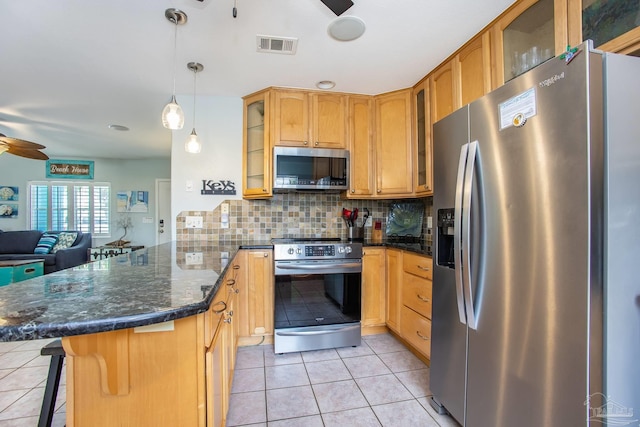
(394, 154)
(361, 146)
(527, 34)
(329, 120)
(423, 169)
(474, 70)
(291, 118)
(394, 289)
(256, 149)
(622, 35)
(308, 119)
(373, 287)
(443, 92)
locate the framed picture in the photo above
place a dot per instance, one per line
(8, 193)
(132, 201)
(8, 210)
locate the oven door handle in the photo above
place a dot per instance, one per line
(299, 269)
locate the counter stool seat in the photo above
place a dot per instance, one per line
(55, 350)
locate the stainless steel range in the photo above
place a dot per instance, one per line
(317, 294)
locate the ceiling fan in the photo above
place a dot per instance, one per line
(22, 148)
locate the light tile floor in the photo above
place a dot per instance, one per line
(23, 375)
(379, 383)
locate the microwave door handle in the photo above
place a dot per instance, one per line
(457, 232)
(472, 318)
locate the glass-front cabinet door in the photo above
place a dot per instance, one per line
(422, 139)
(256, 174)
(613, 25)
(529, 34)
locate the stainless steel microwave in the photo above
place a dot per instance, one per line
(310, 169)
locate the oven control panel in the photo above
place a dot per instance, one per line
(299, 251)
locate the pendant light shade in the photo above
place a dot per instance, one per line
(172, 114)
(193, 144)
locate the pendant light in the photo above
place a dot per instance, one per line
(193, 144)
(172, 114)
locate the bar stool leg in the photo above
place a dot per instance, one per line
(51, 391)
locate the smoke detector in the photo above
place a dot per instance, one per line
(273, 44)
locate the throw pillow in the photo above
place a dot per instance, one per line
(45, 243)
(65, 240)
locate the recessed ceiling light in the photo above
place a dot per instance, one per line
(325, 84)
(346, 28)
(118, 127)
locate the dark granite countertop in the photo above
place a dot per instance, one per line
(422, 248)
(152, 285)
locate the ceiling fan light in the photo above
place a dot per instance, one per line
(172, 115)
(193, 144)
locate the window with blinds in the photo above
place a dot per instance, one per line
(70, 206)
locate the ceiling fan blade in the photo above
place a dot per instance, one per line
(25, 152)
(21, 143)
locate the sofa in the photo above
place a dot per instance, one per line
(21, 245)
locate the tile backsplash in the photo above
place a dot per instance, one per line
(302, 215)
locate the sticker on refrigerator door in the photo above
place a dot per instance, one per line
(515, 111)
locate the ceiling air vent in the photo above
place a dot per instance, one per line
(271, 44)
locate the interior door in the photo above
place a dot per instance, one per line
(164, 224)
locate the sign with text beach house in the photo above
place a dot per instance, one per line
(70, 169)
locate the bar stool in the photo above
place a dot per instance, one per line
(55, 350)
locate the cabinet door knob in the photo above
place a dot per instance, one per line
(379, 191)
(264, 190)
(316, 143)
(305, 143)
(353, 191)
(266, 254)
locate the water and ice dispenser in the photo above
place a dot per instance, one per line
(444, 238)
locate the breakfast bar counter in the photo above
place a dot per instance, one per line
(143, 333)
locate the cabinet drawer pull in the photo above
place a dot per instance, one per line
(231, 282)
(236, 267)
(422, 336)
(224, 307)
(264, 190)
(421, 298)
(29, 270)
(424, 268)
(230, 313)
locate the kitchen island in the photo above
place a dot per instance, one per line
(139, 331)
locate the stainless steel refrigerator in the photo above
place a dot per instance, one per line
(536, 285)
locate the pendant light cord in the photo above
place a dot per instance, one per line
(175, 48)
(195, 71)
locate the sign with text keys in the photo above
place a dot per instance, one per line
(221, 187)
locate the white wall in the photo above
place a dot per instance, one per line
(122, 174)
(219, 125)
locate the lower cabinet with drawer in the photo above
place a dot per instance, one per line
(416, 329)
(415, 313)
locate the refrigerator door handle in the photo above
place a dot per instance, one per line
(457, 230)
(472, 319)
